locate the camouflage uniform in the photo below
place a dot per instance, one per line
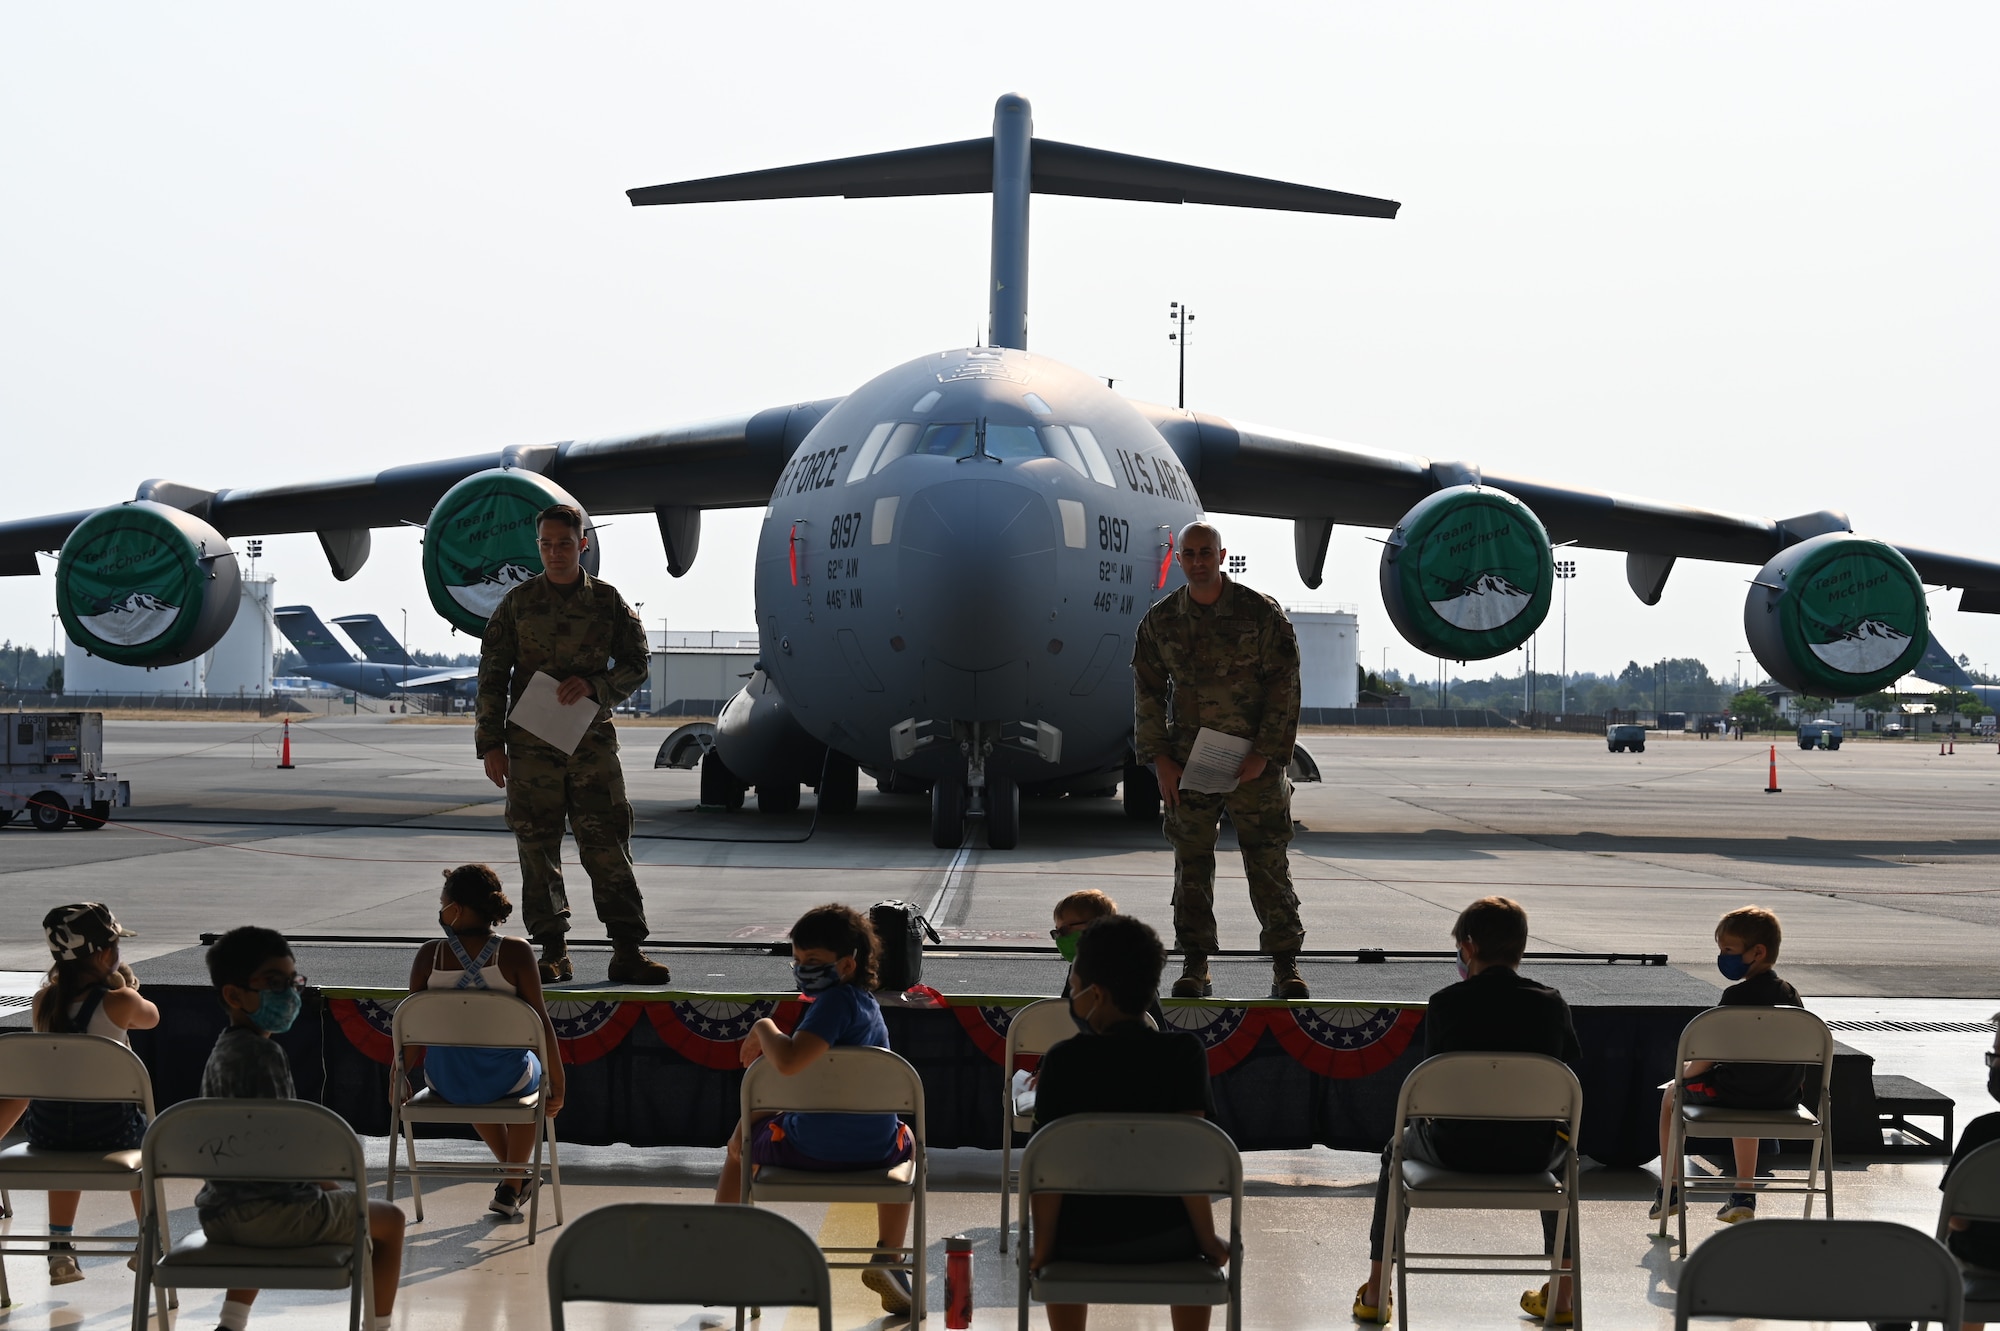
(589, 632)
(1234, 667)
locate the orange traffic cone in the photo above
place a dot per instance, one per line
(285, 754)
(1773, 789)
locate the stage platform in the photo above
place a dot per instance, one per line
(659, 1067)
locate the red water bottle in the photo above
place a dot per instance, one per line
(958, 1283)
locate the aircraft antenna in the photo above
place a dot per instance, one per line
(1179, 318)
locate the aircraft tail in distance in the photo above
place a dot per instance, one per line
(372, 636)
(314, 640)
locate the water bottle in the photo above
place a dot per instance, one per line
(958, 1283)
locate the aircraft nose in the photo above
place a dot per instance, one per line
(978, 558)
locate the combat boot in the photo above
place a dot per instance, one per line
(1194, 981)
(1286, 982)
(555, 964)
(631, 966)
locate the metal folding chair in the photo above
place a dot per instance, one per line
(252, 1141)
(1035, 1029)
(1973, 1192)
(89, 1068)
(1751, 1035)
(1524, 1088)
(844, 1080)
(469, 1019)
(1821, 1270)
(1153, 1155)
(659, 1252)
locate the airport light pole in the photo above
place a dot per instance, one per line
(406, 658)
(1565, 570)
(1179, 317)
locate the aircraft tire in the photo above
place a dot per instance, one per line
(1142, 794)
(840, 788)
(778, 797)
(50, 812)
(1003, 813)
(947, 814)
(94, 819)
(719, 787)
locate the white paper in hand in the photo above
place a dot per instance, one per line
(552, 722)
(1214, 761)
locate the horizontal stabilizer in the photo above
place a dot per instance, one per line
(1938, 667)
(966, 167)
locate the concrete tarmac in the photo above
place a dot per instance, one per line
(1880, 857)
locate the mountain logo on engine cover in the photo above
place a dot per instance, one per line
(479, 543)
(1466, 574)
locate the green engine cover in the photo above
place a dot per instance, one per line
(480, 542)
(146, 585)
(1466, 574)
(1837, 615)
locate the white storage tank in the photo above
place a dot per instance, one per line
(240, 665)
(1329, 647)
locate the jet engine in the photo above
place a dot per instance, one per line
(143, 584)
(1837, 615)
(1466, 574)
(479, 542)
(758, 743)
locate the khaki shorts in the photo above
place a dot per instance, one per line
(325, 1218)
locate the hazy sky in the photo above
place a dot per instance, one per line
(1741, 256)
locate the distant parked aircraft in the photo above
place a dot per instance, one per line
(387, 671)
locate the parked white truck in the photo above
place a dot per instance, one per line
(52, 769)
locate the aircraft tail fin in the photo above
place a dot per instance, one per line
(1937, 666)
(313, 639)
(1012, 165)
(372, 636)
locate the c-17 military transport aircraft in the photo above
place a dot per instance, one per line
(955, 556)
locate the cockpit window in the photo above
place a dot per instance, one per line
(1036, 404)
(901, 440)
(1073, 445)
(871, 447)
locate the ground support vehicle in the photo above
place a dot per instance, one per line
(52, 770)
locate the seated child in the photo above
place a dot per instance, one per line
(834, 952)
(88, 992)
(1073, 914)
(473, 956)
(259, 985)
(1977, 1242)
(1747, 948)
(1118, 1065)
(1494, 1009)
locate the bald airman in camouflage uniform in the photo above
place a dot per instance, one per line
(1216, 654)
(580, 632)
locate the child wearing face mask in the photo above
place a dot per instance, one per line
(834, 954)
(1746, 941)
(89, 993)
(473, 955)
(259, 987)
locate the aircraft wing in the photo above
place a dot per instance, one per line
(1318, 482)
(729, 463)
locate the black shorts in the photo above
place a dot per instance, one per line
(81, 1125)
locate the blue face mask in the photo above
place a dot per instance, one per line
(1732, 965)
(815, 978)
(1463, 973)
(1083, 1025)
(277, 1011)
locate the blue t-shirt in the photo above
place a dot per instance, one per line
(844, 1015)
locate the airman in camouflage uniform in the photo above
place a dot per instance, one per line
(581, 633)
(1229, 662)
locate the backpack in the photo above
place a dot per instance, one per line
(902, 929)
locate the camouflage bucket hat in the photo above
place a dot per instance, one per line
(79, 930)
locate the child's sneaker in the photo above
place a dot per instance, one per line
(506, 1202)
(1535, 1303)
(891, 1284)
(1370, 1312)
(63, 1269)
(1740, 1206)
(1662, 1206)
